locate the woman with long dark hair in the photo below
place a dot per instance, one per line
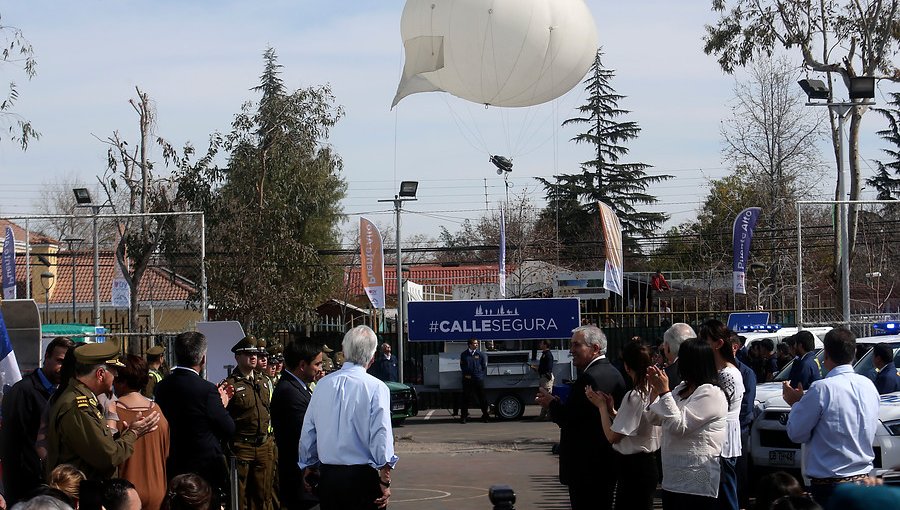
(717, 336)
(693, 418)
(630, 432)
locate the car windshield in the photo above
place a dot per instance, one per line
(785, 374)
(865, 365)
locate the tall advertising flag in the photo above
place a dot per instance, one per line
(372, 259)
(614, 271)
(742, 234)
(9, 265)
(502, 272)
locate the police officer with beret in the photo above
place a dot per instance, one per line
(252, 445)
(77, 433)
(154, 363)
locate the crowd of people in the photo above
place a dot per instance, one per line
(688, 407)
(82, 431)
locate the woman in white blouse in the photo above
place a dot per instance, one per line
(693, 428)
(716, 334)
(630, 432)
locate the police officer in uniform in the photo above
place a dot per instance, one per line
(473, 364)
(253, 446)
(77, 433)
(154, 363)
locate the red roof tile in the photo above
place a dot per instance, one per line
(444, 278)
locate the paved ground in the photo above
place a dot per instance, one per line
(448, 465)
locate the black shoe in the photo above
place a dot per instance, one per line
(485, 418)
(462, 420)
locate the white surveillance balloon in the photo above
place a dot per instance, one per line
(496, 52)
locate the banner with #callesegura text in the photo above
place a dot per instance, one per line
(372, 261)
(120, 293)
(614, 270)
(9, 265)
(742, 234)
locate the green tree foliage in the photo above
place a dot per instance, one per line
(278, 206)
(572, 198)
(887, 178)
(16, 51)
(844, 37)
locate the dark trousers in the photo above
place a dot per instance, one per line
(473, 387)
(680, 501)
(592, 494)
(290, 488)
(348, 487)
(742, 467)
(636, 483)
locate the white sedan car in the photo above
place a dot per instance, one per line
(770, 446)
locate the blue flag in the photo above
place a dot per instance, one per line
(9, 265)
(742, 234)
(502, 266)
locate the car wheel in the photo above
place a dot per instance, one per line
(510, 407)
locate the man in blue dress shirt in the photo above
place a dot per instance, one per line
(347, 437)
(473, 364)
(886, 380)
(836, 418)
(805, 370)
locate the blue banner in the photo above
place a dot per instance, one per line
(497, 319)
(8, 263)
(741, 236)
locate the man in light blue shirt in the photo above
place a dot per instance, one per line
(835, 419)
(347, 438)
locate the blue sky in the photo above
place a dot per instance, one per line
(198, 59)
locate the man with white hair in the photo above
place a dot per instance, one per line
(353, 468)
(672, 340)
(586, 459)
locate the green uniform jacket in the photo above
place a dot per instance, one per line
(154, 377)
(77, 434)
(250, 405)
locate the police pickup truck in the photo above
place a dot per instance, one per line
(770, 446)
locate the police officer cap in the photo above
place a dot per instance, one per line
(261, 345)
(106, 353)
(247, 344)
(325, 348)
(156, 350)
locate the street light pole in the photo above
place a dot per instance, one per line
(842, 110)
(407, 194)
(95, 209)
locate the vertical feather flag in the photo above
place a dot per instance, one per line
(9, 264)
(372, 261)
(502, 273)
(614, 270)
(742, 234)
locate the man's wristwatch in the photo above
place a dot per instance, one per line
(386, 484)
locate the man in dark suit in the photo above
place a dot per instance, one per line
(302, 362)
(198, 421)
(805, 370)
(385, 366)
(586, 459)
(473, 364)
(23, 406)
(887, 380)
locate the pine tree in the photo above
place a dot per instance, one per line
(887, 179)
(606, 178)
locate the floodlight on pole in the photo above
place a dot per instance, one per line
(407, 193)
(858, 87)
(83, 199)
